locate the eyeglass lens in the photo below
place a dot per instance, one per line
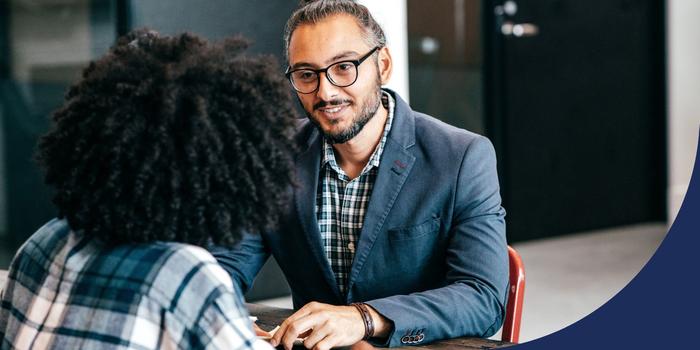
(340, 74)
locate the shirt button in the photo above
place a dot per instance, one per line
(351, 246)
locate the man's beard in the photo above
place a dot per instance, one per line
(368, 110)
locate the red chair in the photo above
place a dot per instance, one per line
(516, 294)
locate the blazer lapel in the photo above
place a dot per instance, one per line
(395, 166)
(308, 164)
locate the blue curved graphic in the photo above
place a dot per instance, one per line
(660, 307)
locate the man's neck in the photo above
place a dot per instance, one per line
(353, 155)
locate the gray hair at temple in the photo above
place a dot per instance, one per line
(314, 11)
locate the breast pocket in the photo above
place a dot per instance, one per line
(411, 260)
(430, 226)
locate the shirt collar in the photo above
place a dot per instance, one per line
(328, 156)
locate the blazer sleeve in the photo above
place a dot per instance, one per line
(244, 261)
(473, 301)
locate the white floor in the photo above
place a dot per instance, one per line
(569, 277)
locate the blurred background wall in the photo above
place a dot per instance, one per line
(43, 47)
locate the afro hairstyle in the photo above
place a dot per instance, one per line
(172, 138)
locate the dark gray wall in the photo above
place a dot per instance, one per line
(31, 91)
(261, 21)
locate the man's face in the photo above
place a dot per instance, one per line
(339, 112)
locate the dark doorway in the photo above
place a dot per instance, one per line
(572, 93)
(580, 117)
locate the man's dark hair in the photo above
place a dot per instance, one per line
(314, 11)
(172, 139)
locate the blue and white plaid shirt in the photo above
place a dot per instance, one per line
(66, 291)
(341, 203)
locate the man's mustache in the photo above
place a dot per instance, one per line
(330, 103)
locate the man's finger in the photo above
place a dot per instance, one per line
(277, 337)
(305, 334)
(327, 343)
(259, 331)
(275, 340)
(316, 335)
(296, 328)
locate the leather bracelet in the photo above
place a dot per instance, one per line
(367, 318)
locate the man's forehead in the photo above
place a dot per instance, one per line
(321, 43)
(322, 58)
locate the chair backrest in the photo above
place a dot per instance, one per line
(516, 294)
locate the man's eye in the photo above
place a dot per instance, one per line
(344, 66)
(305, 75)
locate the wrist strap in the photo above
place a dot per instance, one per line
(367, 318)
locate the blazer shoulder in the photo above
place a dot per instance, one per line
(433, 133)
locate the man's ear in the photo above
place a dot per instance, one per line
(385, 64)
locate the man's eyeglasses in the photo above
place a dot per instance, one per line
(340, 74)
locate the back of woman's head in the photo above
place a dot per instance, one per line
(172, 139)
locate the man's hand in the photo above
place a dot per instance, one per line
(259, 331)
(325, 326)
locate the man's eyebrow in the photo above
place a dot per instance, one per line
(342, 55)
(302, 65)
(336, 58)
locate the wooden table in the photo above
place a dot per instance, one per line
(269, 317)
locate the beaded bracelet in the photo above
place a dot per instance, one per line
(367, 318)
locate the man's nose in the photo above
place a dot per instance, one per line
(326, 90)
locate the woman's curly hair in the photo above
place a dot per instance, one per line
(172, 139)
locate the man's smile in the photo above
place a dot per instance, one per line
(333, 112)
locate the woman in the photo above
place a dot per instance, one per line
(166, 145)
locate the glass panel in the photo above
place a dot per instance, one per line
(445, 61)
(262, 22)
(43, 47)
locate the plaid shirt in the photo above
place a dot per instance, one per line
(341, 203)
(66, 291)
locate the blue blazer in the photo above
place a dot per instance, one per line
(431, 255)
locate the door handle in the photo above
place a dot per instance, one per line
(519, 30)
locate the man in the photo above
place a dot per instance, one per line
(393, 209)
(165, 145)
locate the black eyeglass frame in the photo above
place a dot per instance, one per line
(318, 72)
